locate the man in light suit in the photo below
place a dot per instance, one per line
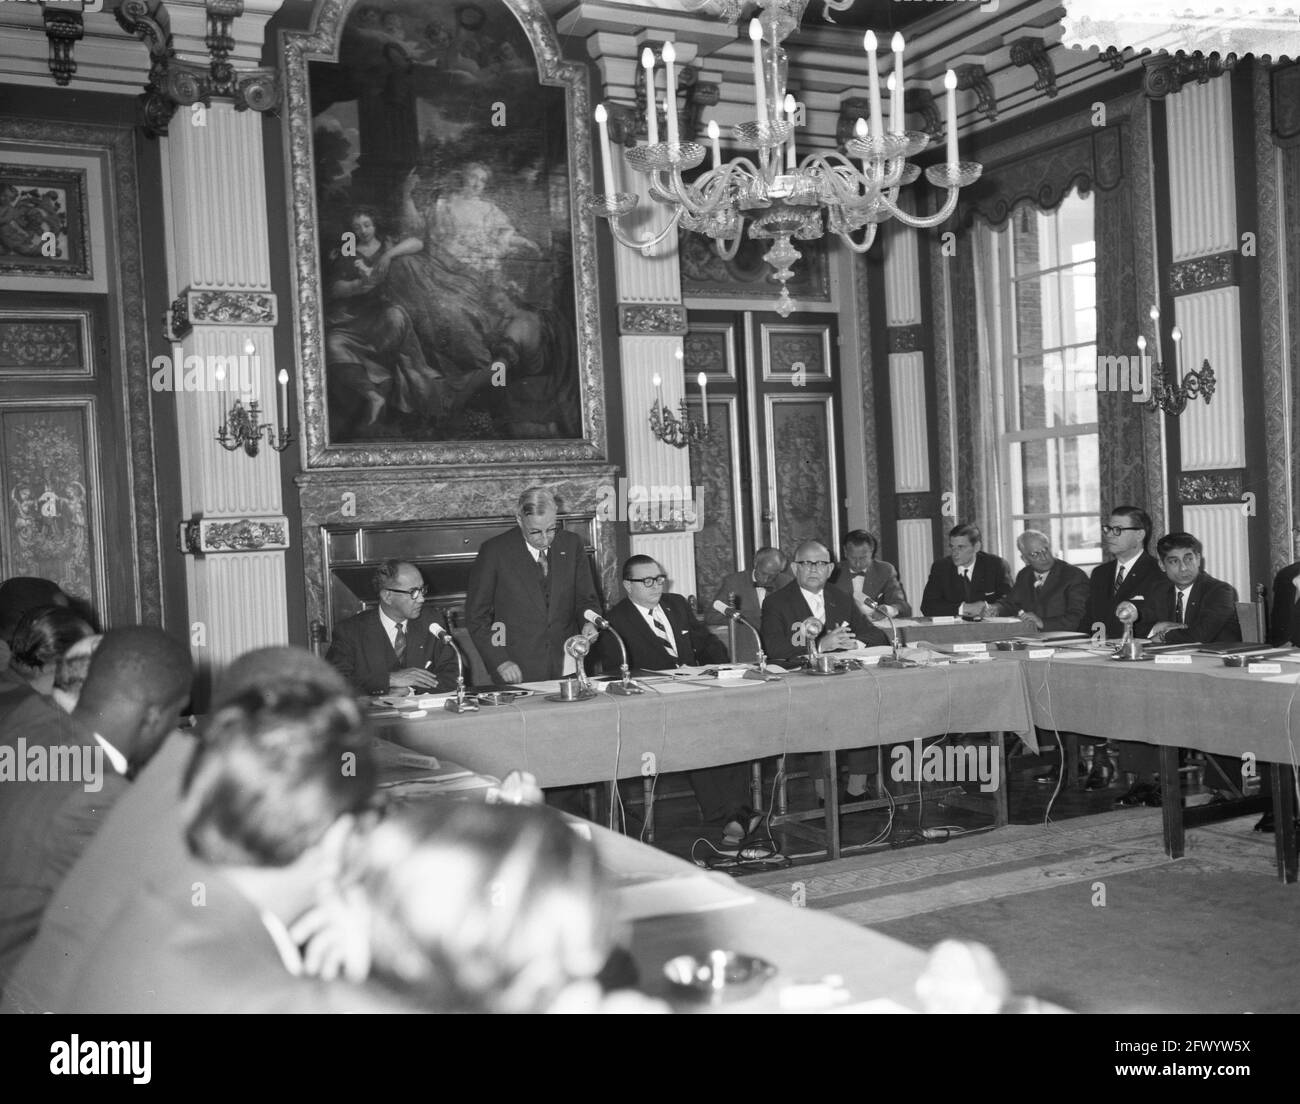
(747, 590)
(134, 692)
(1049, 595)
(967, 581)
(527, 593)
(1131, 575)
(394, 644)
(1193, 607)
(861, 575)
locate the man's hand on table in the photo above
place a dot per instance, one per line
(973, 609)
(509, 671)
(1031, 618)
(417, 678)
(1158, 630)
(838, 639)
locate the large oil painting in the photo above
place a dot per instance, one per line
(442, 174)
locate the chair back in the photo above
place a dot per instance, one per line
(1252, 617)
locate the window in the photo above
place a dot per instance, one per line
(1048, 471)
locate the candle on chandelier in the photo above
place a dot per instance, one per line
(873, 83)
(790, 158)
(670, 92)
(657, 380)
(283, 410)
(1177, 335)
(896, 87)
(777, 101)
(860, 131)
(1154, 315)
(950, 83)
(760, 93)
(651, 95)
(714, 132)
(606, 167)
(704, 397)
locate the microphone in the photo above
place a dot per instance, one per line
(458, 704)
(876, 604)
(578, 646)
(731, 613)
(1127, 613)
(812, 629)
(626, 686)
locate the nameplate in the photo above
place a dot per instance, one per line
(1040, 653)
(1173, 659)
(1264, 668)
(977, 647)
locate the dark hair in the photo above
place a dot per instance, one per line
(967, 530)
(768, 550)
(385, 575)
(140, 663)
(21, 593)
(482, 908)
(1171, 541)
(638, 561)
(859, 537)
(1141, 517)
(277, 766)
(70, 671)
(44, 633)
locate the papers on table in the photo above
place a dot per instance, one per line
(1000, 620)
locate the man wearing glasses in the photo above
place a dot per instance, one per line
(967, 581)
(1132, 575)
(1049, 595)
(391, 646)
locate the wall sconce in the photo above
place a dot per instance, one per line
(244, 428)
(1171, 392)
(680, 429)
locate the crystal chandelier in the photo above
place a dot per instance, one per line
(783, 197)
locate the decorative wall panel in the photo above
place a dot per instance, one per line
(1212, 436)
(1202, 191)
(1222, 530)
(907, 414)
(902, 276)
(915, 555)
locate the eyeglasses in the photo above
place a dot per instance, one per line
(1116, 530)
(414, 594)
(651, 580)
(820, 565)
(1037, 554)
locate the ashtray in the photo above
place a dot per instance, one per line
(500, 697)
(718, 976)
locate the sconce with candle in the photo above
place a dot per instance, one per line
(244, 428)
(1171, 391)
(680, 429)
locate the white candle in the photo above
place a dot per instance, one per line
(670, 92)
(606, 168)
(1154, 315)
(777, 100)
(873, 83)
(1177, 335)
(790, 158)
(651, 96)
(950, 83)
(283, 411)
(760, 94)
(896, 87)
(704, 397)
(714, 132)
(657, 380)
(860, 131)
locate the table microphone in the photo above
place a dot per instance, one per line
(733, 614)
(812, 629)
(873, 604)
(626, 686)
(458, 704)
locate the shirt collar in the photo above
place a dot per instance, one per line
(288, 951)
(812, 599)
(115, 758)
(388, 622)
(1126, 564)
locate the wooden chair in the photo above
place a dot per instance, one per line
(1254, 628)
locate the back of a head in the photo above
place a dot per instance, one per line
(43, 634)
(273, 665)
(74, 664)
(24, 592)
(140, 663)
(279, 763)
(483, 908)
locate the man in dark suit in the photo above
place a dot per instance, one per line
(527, 593)
(1283, 631)
(661, 632)
(397, 643)
(966, 581)
(135, 689)
(747, 590)
(1193, 607)
(861, 575)
(1131, 575)
(1049, 594)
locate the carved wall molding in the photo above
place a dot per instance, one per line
(905, 339)
(652, 318)
(975, 79)
(220, 308)
(1033, 52)
(1207, 488)
(1203, 273)
(63, 27)
(204, 536)
(921, 101)
(1166, 74)
(919, 506)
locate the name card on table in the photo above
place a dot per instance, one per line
(1173, 658)
(1264, 668)
(972, 647)
(1040, 653)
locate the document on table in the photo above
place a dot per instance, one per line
(673, 896)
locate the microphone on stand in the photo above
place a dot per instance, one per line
(458, 704)
(732, 614)
(578, 646)
(812, 629)
(1130, 649)
(626, 686)
(873, 604)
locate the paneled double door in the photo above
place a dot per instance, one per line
(772, 467)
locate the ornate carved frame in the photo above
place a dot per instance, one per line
(298, 48)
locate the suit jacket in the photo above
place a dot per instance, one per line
(880, 582)
(740, 584)
(787, 608)
(1142, 580)
(364, 656)
(945, 590)
(696, 645)
(1284, 626)
(505, 586)
(45, 825)
(1060, 602)
(1210, 613)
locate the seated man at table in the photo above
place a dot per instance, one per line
(1131, 575)
(1193, 607)
(746, 591)
(861, 575)
(395, 644)
(1049, 595)
(661, 632)
(967, 581)
(1283, 632)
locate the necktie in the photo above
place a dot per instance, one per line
(965, 581)
(661, 630)
(399, 643)
(543, 563)
(1178, 608)
(1119, 578)
(1039, 580)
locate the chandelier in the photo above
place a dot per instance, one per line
(783, 197)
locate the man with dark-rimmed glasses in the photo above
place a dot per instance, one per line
(1130, 575)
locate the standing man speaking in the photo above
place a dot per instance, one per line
(527, 592)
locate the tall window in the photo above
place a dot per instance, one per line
(1049, 477)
